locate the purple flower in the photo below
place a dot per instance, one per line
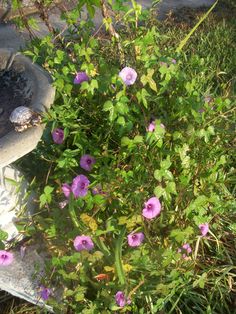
(58, 136)
(187, 247)
(66, 189)
(80, 78)
(152, 126)
(121, 299)
(83, 243)
(45, 293)
(185, 250)
(87, 162)
(135, 239)
(152, 208)
(6, 258)
(80, 185)
(173, 61)
(204, 228)
(128, 76)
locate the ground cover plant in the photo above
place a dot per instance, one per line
(136, 169)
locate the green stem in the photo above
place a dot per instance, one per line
(118, 257)
(185, 40)
(102, 247)
(72, 213)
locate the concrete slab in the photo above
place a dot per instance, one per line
(24, 276)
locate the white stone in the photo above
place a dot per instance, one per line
(20, 278)
(12, 191)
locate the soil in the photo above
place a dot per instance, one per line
(188, 17)
(12, 87)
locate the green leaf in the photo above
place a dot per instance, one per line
(48, 190)
(166, 163)
(158, 175)
(138, 139)
(182, 235)
(125, 141)
(3, 235)
(148, 79)
(122, 108)
(121, 121)
(160, 191)
(108, 106)
(171, 188)
(43, 200)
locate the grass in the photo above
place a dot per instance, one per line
(210, 58)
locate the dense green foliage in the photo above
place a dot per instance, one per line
(189, 165)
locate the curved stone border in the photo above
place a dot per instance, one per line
(15, 145)
(14, 199)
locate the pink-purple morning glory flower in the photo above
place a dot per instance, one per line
(80, 185)
(128, 76)
(152, 126)
(173, 61)
(45, 293)
(204, 228)
(152, 208)
(80, 78)
(87, 162)
(58, 136)
(135, 239)
(121, 299)
(83, 243)
(66, 189)
(187, 247)
(6, 258)
(185, 250)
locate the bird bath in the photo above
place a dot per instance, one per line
(22, 83)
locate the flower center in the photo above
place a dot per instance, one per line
(150, 206)
(134, 236)
(82, 186)
(84, 242)
(4, 256)
(129, 76)
(89, 161)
